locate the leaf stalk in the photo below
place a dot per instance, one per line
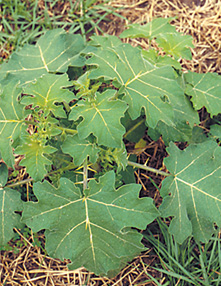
(150, 169)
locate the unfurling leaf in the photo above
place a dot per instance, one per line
(93, 230)
(192, 195)
(35, 161)
(101, 117)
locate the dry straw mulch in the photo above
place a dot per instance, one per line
(202, 20)
(199, 18)
(32, 267)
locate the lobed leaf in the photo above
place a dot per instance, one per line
(192, 194)
(101, 117)
(80, 149)
(215, 131)
(184, 120)
(151, 30)
(46, 91)
(53, 52)
(205, 90)
(176, 45)
(92, 231)
(144, 85)
(12, 120)
(10, 203)
(172, 42)
(34, 150)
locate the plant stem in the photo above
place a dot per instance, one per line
(68, 130)
(85, 175)
(19, 183)
(140, 166)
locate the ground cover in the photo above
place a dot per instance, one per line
(139, 271)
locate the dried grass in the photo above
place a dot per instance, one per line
(203, 21)
(32, 267)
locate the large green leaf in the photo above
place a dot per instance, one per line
(53, 52)
(205, 90)
(48, 90)
(11, 120)
(10, 202)
(192, 194)
(34, 150)
(80, 149)
(144, 85)
(101, 117)
(93, 230)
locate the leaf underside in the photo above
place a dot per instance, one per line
(94, 230)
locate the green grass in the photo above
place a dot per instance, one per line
(23, 21)
(190, 263)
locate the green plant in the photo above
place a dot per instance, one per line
(65, 107)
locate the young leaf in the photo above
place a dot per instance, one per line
(101, 117)
(152, 56)
(192, 195)
(172, 42)
(144, 85)
(150, 30)
(80, 149)
(46, 91)
(205, 90)
(53, 52)
(176, 45)
(11, 120)
(105, 41)
(10, 202)
(90, 230)
(34, 160)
